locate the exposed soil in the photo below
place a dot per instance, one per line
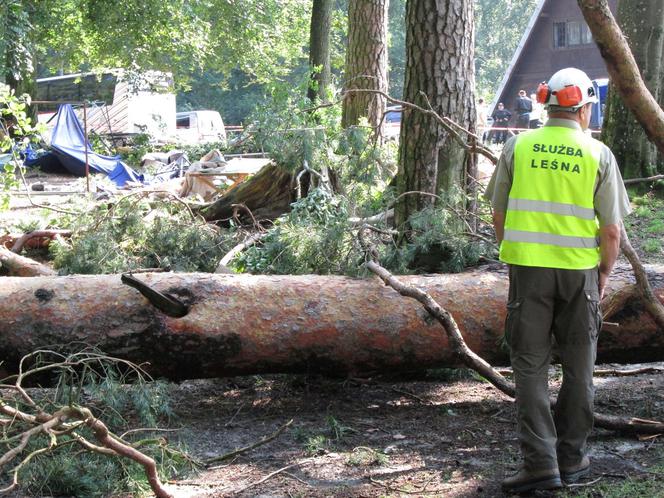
(451, 438)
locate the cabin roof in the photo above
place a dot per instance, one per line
(517, 53)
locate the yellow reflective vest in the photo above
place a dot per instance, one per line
(550, 220)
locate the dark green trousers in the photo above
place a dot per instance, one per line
(550, 307)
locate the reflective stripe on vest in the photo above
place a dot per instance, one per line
(551, 207)
(551, 239)
(550, 220)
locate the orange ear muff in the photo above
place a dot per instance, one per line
(569, 96)
(543, 93)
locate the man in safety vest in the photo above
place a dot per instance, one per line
(558, 201)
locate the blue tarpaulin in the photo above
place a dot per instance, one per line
(68, 143)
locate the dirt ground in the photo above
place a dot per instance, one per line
(381, 437)
(449, 434)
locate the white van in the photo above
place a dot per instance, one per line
(200, 126)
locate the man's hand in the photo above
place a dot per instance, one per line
(603, 279)
(499, 225)
(609, 246)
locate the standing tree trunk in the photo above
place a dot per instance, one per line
(440, 73)
(642, 22)
(319, 49)
(623, 69)
(366, 62)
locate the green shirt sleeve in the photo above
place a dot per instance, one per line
(611, 199)
(498, 190)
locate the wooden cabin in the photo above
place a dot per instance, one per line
(556, 37)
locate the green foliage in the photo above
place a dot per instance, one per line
(195, 152)
(337, 429)
(15, 132)
(115, 401)
(169, 35)
(397, 47)
(365, 169)
(140, 145)
(645, 226)
(289, 131)
(363, 456)
(319, 443)
(499, 28)
(317, 235)
(642, 211)
(647, 485)
(135, 233)
(14, 39)
(652, 246)
(656, 227)
(316, 445)
(439, 241)
(234, 95)
(120, 395)
(642, 200)
(314, 237)
(263, 37)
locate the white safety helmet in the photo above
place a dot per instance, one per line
(569, 88)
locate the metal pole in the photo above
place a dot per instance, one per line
(85, 130)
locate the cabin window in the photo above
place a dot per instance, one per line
(570, 34)
(586, 35)
(573, 33)
(559, 35)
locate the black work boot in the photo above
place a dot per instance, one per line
(526, 480)
(572, 473)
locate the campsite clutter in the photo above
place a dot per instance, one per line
(71, 153)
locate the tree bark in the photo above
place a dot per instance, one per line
(440, 74)
(14, 265)
(623, 69)
(319, 49)
(366, 62)
(642, 22)
(268, 195)
(242, 324)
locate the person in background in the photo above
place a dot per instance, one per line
(524, 107)
(481, 119)
(536, 113)
(501, 118)
(558, 201)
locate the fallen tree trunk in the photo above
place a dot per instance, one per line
(268, 195)
(19, 266)
(243, 324)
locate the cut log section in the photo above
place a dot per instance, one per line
(243, 324)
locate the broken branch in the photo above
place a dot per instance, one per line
(476, 363)
(239, 451)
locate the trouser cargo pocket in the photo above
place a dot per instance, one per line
(594, 313)
(512, 320)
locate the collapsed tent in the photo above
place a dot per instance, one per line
(69, 146)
